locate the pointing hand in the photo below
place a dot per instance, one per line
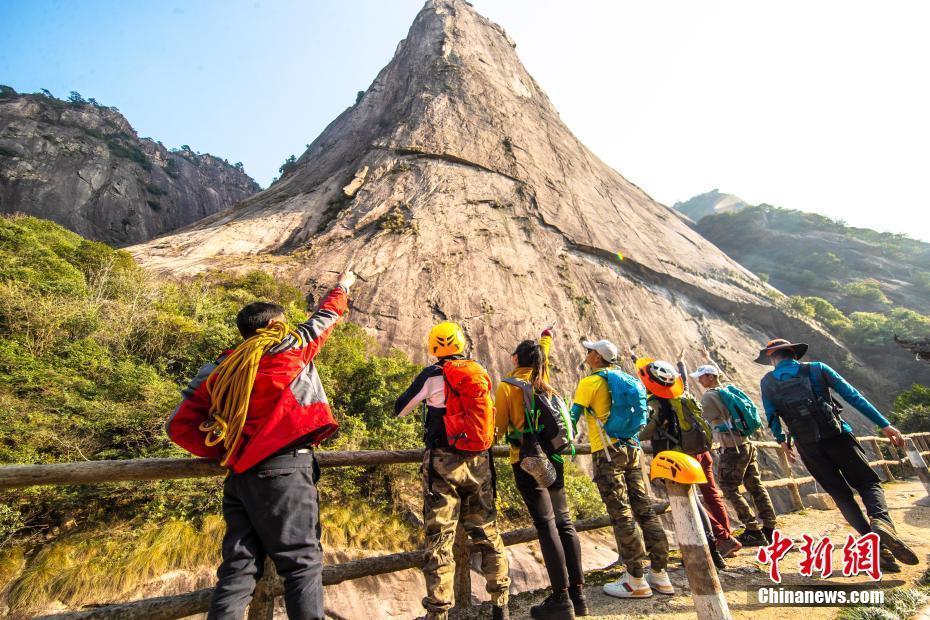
(347, 279)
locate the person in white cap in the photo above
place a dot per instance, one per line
(733, 417)
(614, 406)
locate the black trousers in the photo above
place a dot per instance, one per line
(272, 509)
(839, 465)
(558, 540)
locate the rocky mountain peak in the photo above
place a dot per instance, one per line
(458, 193)
(83, 166)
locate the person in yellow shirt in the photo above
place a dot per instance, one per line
(548, 506)
(614, 406)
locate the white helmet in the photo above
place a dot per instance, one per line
(662, 372)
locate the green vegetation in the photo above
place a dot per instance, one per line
(289, 164)
(867, 290)
(93, 354)
(912, 410)
(398, 220)
(813, 252)
(862, 286)
(900, 603)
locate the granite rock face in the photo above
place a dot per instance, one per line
(84, 167)
(458, 193)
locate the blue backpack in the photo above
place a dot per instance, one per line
(744, 416)
(628, 410)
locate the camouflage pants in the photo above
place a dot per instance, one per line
(460, 487)
(623, 489)
(738, 466)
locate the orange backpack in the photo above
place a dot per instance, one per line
(469, 415)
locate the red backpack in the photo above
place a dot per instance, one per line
(469, 415)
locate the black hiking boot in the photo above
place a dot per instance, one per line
(579, 601)
(768, 532)
(752, 538)
(891, 542)
(500, 613)
(557, 606)
(887, 562)
(717, 558)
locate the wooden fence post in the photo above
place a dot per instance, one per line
(881, 457)
(906, 468)
(262, 605)
(461, 551)
(706, 591)
(793, 487)
(917, 461)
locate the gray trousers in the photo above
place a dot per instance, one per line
(272, 510)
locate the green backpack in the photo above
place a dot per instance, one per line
(744, 415)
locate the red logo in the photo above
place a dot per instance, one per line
(817, 557)
(860, 556)
(773, 553)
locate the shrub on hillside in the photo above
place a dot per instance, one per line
(912, 410)
(866, 290)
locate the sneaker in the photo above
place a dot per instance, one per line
(768, 532)
(728, 547)
(895, 545)
(500, 612)
(887, 562)
(752, 538)
(658, 580)
(628, 586)
(557, 606)
(579, 601)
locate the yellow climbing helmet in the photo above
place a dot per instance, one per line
(446, 339)
(677, 466)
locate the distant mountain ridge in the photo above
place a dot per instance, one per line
(82, 165)
(710, 203)
(863, 286)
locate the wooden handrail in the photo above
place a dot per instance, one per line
(96, 472)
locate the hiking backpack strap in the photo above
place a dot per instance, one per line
(524, 387)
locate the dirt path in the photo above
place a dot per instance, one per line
(745, 575)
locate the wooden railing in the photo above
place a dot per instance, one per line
(183, 605)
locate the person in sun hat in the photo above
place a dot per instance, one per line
(614, 406)
(676, 423)
(733, 417)
(800, 396)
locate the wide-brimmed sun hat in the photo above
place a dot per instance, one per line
(780, 344)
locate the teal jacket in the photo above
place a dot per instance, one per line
(788, 369)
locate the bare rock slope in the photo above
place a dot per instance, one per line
(83, 166)
(459, 193)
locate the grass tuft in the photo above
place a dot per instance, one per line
(101, 566)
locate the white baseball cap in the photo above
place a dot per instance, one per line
(706, 369)
(604, 348)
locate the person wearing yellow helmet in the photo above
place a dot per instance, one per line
(458, 470)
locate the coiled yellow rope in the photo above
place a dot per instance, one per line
(230, 387)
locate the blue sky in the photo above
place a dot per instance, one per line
(814, 106)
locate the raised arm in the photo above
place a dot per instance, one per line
(316, 329)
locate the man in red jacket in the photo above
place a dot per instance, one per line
(265, 438)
